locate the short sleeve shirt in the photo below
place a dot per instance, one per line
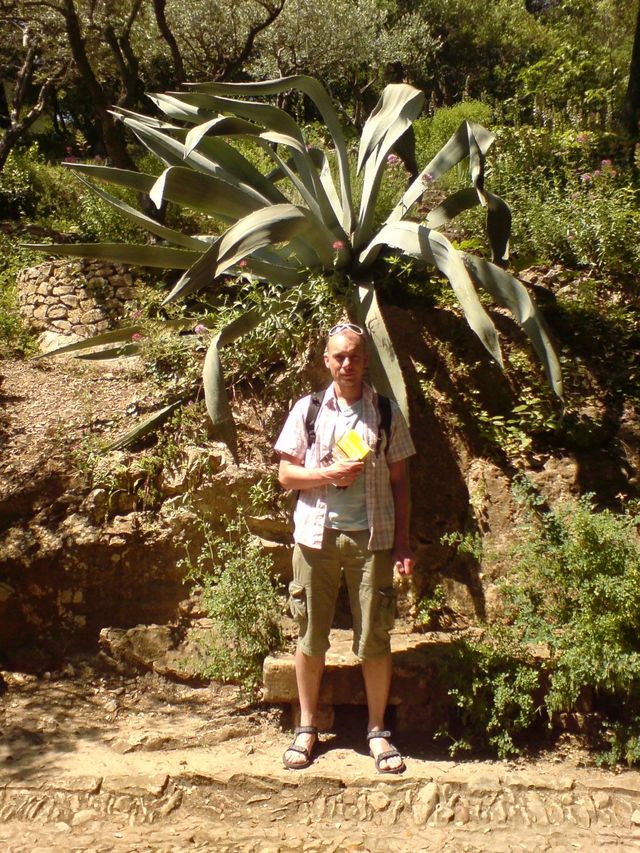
(311, 506)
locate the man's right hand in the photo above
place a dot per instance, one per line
(344, 471)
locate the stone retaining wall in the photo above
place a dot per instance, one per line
(81, 298)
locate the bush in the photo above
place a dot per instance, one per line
(574, 587)
(240, 598)
(14, 338)
(432, 133)
(570, 203)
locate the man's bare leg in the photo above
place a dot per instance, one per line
(377, 682)
(309, 671)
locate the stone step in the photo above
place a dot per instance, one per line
(418, 695)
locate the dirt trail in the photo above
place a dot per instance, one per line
(94, 762)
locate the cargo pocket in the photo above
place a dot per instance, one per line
(298, 605)
(386, 608)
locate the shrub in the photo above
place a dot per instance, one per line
(242, 602)
(14, 338)
(574, 587)
(432, 133)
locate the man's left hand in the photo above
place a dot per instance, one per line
(403, 560)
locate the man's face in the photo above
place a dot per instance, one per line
(346, 359)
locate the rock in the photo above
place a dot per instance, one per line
(635, 817)
(425, 803)
(137, 647)
(379, 801)
(83, 816)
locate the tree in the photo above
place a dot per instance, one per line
(631, 106)
(279, 241)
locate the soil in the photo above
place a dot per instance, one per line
(93, 761)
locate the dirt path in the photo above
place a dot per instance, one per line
(91, 762)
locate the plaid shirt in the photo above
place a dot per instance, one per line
(311, 506)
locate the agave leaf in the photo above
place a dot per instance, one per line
(115, 336)
(173, 108)
(498, 217)
(149, 425)
(150, 121)
(452, 152)
(203, 192)
(172, 152)
(275, 224)
(318, 94)
(124, 351)
(263, 114)
(160, 257)
(384, 368)
(453, 205)
(219, 126)
(170, 234)
(215, 393)
(280, 129)
(399, 105)
(511, 293)
(433, 247)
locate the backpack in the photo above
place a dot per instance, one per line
(384, 427)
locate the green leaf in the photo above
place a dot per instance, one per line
(175, 237)
(121, 335)
(433, 247)
(511, 293)
(453, 205)
(124, 351)
(123, 253)
(318, 94)
(148, 426)
(397, 108)
(384, 367)
(215, 393)
(275, 224)
(453, 152)
(207, 193)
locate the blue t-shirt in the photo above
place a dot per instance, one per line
(347, 508)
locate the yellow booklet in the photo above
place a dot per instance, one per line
(351, 446)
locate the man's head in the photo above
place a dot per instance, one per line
(346, 357)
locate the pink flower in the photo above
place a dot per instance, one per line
(200, 329)
(582, 137)
(136, 336)
(597, 173)
(337, 245)
(242, 264)
(586, 178)
(605, 163)
(137, 313)
(393, 160)
(428, 178)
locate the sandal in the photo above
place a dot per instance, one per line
(388, 753)
(303, 750)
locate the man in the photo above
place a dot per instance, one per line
(351, 516)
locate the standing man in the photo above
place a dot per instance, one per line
(350, 516)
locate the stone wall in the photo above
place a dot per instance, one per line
(80, 298)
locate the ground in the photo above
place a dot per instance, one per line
(93, 761)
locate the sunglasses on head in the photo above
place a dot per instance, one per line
(343, 327)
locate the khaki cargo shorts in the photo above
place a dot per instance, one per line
(314, 590)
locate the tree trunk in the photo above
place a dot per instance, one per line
(630, 114)
(168, 36)
(111, 132)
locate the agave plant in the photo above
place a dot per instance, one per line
(301, 219)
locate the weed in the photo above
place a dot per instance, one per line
(234, 576)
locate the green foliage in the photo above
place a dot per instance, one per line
(14, 338)
(574, 587)
(234, 576)
(495, 687)
(573, 198)
(432, 133)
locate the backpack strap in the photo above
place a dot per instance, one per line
(312, 415)
(384, 426)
